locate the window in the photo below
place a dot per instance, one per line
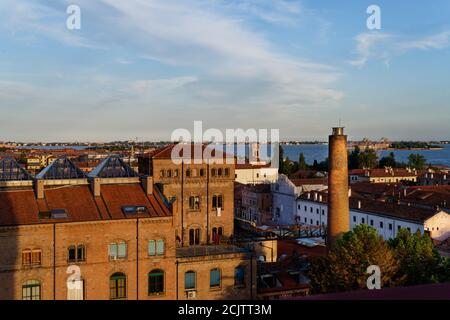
(156, 247)
(194, 203)
(398, 227)
(31, 257)
(390, 226)
(194, 237)
(217, 201)
(311, 221)
(219, 172)
(161, 173)
(117, 250)
(151, 247)
(317, 210)
(189, 280)
(306, 209)
(227, 172)
(363, 220)
(156, 282)
(354, 218)
(118, 286)
(239, 276)
(298, 207)
(311, 209)
(160, 247)
(371, 222)
(175, 173)
(217, 235)
(381, 224)
(214, 278)
(76, 253)
(306, 220)
(213, 172)
(202, 172)
(31, 290)
(188, 172)
(169, 173)
(323, 212)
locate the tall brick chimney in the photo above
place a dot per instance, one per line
(338, 207)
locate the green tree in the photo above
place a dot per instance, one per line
(420, 262)
(368, 159)
(353, 158)
(388, 161)
(416, 161)
(302, 162)
(345, 266)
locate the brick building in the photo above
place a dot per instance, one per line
(108, 235)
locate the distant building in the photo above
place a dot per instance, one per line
(432, 178)
(255, 173)
(386, 175)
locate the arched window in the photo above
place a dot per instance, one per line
(219, 172)
(118, 286)
(156, 282)
(189, 280)
(214, 278)
(213, 172)
(31, 290)
(202, 172)
(188, 172)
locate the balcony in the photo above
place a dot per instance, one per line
(209, 250)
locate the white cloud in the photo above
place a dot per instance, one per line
(383, 46)
(232, 69)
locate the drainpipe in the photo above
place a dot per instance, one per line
(207, 204)
(182, 203)
(54, 261)
(176, 263)
(137, 259)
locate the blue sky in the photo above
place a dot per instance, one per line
(145, 68)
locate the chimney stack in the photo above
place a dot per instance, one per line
(39, 188)
(95, 186)
(338, 190)
(147, 184)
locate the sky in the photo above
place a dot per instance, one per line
(140, 69)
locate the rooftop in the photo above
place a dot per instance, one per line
(61, 168)
(113, 167)
(21, 207)
(10, 170)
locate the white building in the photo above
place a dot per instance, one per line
(285, 193)
(250, 173)
(386, 218)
